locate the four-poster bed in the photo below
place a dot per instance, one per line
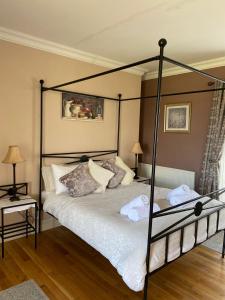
(192, 212)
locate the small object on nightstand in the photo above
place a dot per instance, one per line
(146, 180)
(19, 228)
(136, 150)
(13, 157)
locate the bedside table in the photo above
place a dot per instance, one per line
(18, 228)
(145, 180)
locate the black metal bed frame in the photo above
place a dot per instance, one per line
(198, 206)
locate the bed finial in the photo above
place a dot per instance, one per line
(41, 81)
(84, 158)
(162, 42)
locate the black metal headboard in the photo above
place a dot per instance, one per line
(77, 157)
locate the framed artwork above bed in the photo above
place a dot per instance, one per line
(177, 117)
(81, 107)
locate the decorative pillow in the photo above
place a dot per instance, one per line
(48, 178)
(128, 178)
(79, 182)
(101, 175)
(59, 171)
(119, 173)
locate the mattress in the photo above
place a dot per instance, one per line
(96, 219)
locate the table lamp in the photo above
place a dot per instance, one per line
(136, 150)
(13, 157)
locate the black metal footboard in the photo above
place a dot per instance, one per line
(180, 225)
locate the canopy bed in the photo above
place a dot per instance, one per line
(147, 246)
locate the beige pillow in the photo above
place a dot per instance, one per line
(129, 176)
(101, 175)
(48, 178)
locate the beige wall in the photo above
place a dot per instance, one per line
(21, 69)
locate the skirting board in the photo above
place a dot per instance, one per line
(168, 177)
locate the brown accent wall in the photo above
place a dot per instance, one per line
(178, 150)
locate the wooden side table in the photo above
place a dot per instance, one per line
(18, 228)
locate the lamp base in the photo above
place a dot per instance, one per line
(12, 193)
(136, 173)
(14, 198)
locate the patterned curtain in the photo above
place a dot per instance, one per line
(214, 145)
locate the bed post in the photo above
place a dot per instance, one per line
(223, 250)
(118, 126)
(162, 43)
(41, 152)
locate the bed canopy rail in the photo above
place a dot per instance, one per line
(179, 64)
(175, 94)
(141, 62)
(198, 208)
(82, 94)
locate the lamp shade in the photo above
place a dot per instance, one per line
(13, 155)
(137, 148)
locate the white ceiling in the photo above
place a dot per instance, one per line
(124, 30)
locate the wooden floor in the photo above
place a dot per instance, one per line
(67, 268)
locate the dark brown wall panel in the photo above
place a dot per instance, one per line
(178, 150)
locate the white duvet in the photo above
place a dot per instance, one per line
(96, 219)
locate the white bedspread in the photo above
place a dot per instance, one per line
(96, 219)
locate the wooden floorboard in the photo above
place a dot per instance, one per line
(65, 267)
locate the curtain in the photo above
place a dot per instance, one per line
(222, 173)
(209, 180)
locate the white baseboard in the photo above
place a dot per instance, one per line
(168, 177)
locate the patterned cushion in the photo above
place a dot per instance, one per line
(79, 182)
(119, 173)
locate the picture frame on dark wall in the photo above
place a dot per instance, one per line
(82, 107)
(177, 117)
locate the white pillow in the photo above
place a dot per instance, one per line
(129, 176)
(59, 171)
(48, 178)
(101, 175)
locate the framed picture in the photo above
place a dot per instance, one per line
(177, 117)
(80, 107)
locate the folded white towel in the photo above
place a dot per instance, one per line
(136, 202)
(180, 198)
(180, 190)
(142, 212)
